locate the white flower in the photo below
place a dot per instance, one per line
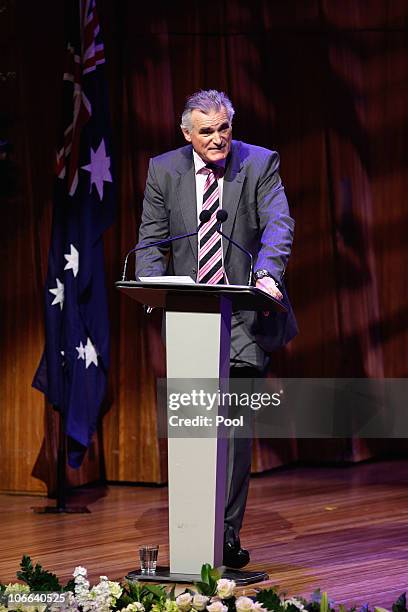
(80, 571)
(135, 606)
(183, 602)
(225, 588)
(101, 595)
(244, 604)
(292, 601)
(116, 589)
(82, 593)
(99, 598)
(217, 606)
(199, 602)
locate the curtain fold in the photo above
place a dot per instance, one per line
(324, 83)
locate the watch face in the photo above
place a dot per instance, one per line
(261, 274)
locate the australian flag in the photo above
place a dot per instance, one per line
(73, 370)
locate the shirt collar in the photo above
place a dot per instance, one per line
(199, 164)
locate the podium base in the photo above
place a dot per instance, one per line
(163, 574)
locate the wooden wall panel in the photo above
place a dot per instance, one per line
(21, 408)
(331, 101)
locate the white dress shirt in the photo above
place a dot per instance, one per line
(199, 164)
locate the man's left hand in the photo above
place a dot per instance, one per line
(268, 285)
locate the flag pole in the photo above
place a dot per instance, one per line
(61, 498)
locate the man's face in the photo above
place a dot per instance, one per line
(211, 134)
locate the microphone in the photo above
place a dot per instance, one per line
(205, 216)
(222, 216)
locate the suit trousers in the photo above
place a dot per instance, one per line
(238, 466)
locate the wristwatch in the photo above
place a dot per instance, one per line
(258, 274)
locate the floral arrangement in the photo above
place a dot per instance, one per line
(41, 591)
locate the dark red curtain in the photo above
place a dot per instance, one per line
(326, 84)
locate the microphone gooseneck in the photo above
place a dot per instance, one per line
(204, 217)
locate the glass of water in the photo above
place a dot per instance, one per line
(148, 558)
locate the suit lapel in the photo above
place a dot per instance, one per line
(186, 195)
(233, 183)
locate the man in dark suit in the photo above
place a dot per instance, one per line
(213, 171)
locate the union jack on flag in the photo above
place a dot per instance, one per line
(73, 369)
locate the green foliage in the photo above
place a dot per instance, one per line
(146, 594)
(131, 592)
(313, 606)
(324, 603)
(157, 591)
(401, 604)
(320, 603)
(172, 593)
(269, 599)
(70, 586)
(292, 608)
(209, 577)
(36, 577)
(154, 597)
(230, 603)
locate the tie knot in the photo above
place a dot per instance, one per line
(217, 171)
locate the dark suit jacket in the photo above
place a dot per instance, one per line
(258, 219)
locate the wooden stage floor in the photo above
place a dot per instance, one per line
(344, 530)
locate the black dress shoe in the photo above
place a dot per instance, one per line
(235, 556)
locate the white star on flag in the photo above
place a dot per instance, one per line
(81, 351)
(73, 260)
(59, 294)
(90, 354)
(99, 168)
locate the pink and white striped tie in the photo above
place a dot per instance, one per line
(210, 265)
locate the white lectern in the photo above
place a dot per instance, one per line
(198, 334)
